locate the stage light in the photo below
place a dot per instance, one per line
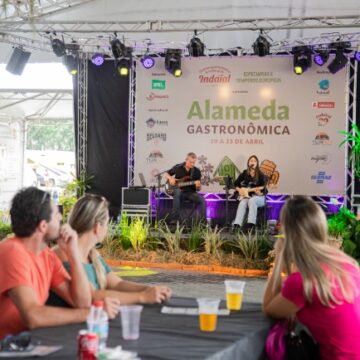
(261, 46)
(118, 48)
(58, 47)
(71, 63)
(340, 60)
(321, 57)
(357, 56)
(196, 47)
(173, 62)
(97, 59)
(302, 59)
(124, 66)
(147, 61)
(17, 61)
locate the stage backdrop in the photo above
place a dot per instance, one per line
(226, 109)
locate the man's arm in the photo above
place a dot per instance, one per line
(34, 315)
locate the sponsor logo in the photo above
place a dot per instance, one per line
(158, 74)
(321, 177)
(323, 119)
(158, 84)
(322, 72)
(158, 110)
(322, 159)
(154, 156)
(150, 123)
(155, 136)
(152, 96)
(324, 87)
(214, 75)
(322, 138)
(323, 104)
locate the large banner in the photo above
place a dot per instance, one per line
(226, 109)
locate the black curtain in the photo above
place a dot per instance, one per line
(107, 146)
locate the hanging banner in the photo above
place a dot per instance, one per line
(227, 109)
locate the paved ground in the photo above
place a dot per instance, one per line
(191, 284)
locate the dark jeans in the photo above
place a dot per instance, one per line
(179, 196)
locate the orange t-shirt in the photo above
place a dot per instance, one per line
(21, 267)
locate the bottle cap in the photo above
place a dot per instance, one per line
(98, 303)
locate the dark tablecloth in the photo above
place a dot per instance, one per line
(238, 336)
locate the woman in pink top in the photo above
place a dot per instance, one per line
(323, 286)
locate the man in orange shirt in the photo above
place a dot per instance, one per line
(29, 269)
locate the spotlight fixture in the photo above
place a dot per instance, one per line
(118, 48)
(321, 57)
(147, 61)
(196, 47)
(17, 61)
(302, 59)
(261, 46)
(71, 63)
(123, 67)
(97, 59)
(173, 62)
(58, 47)
(340, 60)
(357, 54)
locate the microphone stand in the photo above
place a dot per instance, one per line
(227, 181)
(158, 192)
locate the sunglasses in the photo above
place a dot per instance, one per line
(20, 342)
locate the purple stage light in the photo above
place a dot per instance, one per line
(357, 56)
(148, 62)
(97, 59)
(318, 59)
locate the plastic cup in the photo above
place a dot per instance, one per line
(208, 313)
(130, 321)
(234, 294)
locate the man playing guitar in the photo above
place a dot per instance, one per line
(189, 173)
(250, 185)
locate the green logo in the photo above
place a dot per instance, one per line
(158, 84)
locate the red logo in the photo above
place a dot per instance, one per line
(214, 75)
(152, 96)
(324, 104)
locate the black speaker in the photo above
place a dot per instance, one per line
(17, 61)
(135, 197)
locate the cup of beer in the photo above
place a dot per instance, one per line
(234, 293)
(208, 313)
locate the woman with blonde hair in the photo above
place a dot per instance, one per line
(323, 284)
(89, 218)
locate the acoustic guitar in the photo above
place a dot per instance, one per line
(180, 183)
(244, 192)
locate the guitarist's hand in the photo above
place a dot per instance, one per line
(172, 181)
(258, 192)
(198, 184)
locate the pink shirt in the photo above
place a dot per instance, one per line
(337, 328)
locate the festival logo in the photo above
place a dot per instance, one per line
(323, 119)
(321, 177)
(158, 84)
(322, 138)
(322, 159)
(214, 75)
(150, 123)
(324, 87)
(154, 156)
(152, 96)
(323, 104)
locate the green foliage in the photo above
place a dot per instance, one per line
(353, 139)
(5, 230)
(138, 232)
(247, 244)
(51, 135)
(124, 231)
(172, 240)
(345, 225)
(195, 238)
(212, 240)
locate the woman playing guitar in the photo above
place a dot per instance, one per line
(250, 185)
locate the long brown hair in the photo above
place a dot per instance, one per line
(257, 169)
(307, 249)
(88, 211)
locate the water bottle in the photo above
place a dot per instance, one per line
(99, 323)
